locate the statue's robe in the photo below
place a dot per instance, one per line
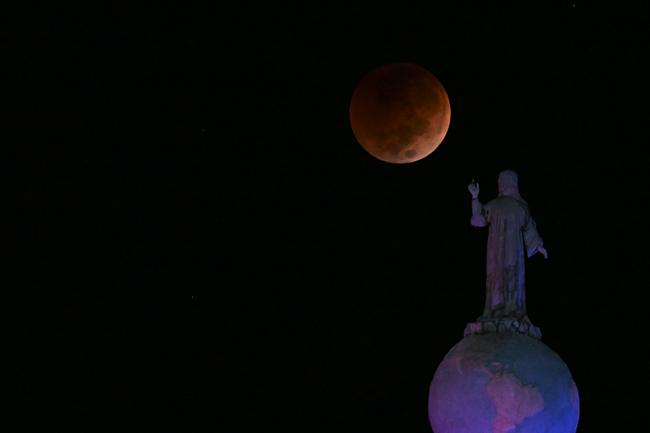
(510, 229)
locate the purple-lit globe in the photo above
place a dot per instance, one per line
(503, 383)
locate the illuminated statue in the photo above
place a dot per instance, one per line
(510, 229)
(501, 378)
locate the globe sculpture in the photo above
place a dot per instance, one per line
(500, 378)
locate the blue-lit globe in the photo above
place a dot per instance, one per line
(503, 383)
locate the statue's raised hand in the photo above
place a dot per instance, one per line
(473, 189)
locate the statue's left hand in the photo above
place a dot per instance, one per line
(542, 251)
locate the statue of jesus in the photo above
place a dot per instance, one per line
(510, 229)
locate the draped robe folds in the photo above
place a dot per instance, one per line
(510, 229)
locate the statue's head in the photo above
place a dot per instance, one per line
(508, 183)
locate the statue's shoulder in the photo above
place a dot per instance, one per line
(500, 201)
(508, 204)
(521, 203)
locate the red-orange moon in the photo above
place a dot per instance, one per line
(400, 113)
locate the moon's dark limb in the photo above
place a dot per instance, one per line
(400, 113)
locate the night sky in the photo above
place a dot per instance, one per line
(203, 246)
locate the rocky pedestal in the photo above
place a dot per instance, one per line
(502, 326)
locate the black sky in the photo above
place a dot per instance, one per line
(203, 246)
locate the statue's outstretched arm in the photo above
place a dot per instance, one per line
(532, 239)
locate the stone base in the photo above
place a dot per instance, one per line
(503, 325)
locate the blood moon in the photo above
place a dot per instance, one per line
(400, 113)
